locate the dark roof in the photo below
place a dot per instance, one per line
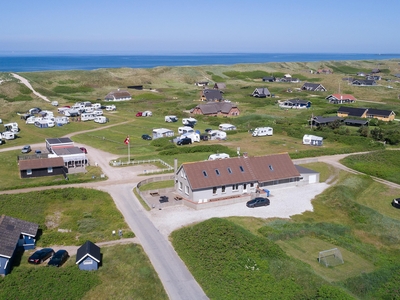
(67, 151)
(250, 169)
(352, 111)
(325, 120)
(379, 112)
(220, 85)
(356, 122)
(40, 163)
(88, 249)
(261, 92)
(212, 95)
(363, 82)
(55, 141)
(303, 170)
(215, 107)
(311, 86)
(298, 101)
(10, 231)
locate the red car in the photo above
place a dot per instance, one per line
(139, 114)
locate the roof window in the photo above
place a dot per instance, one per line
(241, 168)
(217, 171)
(271, 167)
(229, 170)
(205, 174)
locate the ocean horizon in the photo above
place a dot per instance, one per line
(28, 62)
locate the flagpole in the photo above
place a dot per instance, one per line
(129, 154)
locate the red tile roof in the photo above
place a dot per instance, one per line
(40, 163)
(206, 174)
(344, 96)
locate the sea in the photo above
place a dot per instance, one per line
(51, 62)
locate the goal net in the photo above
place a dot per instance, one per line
(331, 257)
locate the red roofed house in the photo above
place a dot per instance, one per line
(341, 98)
(211, 180)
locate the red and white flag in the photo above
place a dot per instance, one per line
(127, 140)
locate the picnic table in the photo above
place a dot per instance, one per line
(163, 199)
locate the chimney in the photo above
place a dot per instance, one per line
(245, 155)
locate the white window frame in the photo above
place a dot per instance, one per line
(180, 186)
(186, 189)
(50, 170)
(29, 172)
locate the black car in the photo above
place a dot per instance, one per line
(40, 256)
(396, 202)
(208, 130)
(59, 258)
(256, 202)
(146, 137)
(184, 141)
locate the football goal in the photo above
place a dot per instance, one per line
(331, 257)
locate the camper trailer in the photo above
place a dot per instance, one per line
(71, 113)
(44, 123)
(61, 110)
(312, 140)
(13, 127)
(8, 135)
(54, 103)
(263, 131)
(226, 127)
(111, 107)
(96, 105)
(218, 156)
(189, 121)
(87, 117)
(31, 120)
(170, 119)
(98, 112)
(89, 109)
(100, 119)
(162, 132)
(217, 135)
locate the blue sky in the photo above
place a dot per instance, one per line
(219, 26)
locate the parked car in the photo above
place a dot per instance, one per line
(208, 130)
(146, 137)
(139, 114)
(396, 203)
(26, 149)
(256, 202)
(38, 151)
(58, 258)
(184, 141)
(40, 256)
(83, 149)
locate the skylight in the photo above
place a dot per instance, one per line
(229, 170)
(241, 168)
(205, 173)
(271, 167)
(217, 171)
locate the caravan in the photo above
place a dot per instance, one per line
(312, 140)
(8, 135)
(217, 135)
(194, 136)
(111, 107)
(44, 123)
(98, 112)
(87, 117)
(147, 113)
(185, 129)
(226, 127)
(263, 131)
(189, 121)
(100, 119)
(61, 120)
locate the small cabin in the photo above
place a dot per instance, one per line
(88, 256)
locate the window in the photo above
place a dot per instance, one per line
(244, 186)
(180, 185)
(186, 190)
(29, 172)
(235, 187)
(217, 171)
(271, 167)
(252, 184)
(223, 189)
(241, 169)
(214, 190)
(88, 262)
(205, 173)
(229, 170)
(50, 170)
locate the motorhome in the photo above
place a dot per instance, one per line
(185, 129)
(100, 119)
(312, 140)
(87, 116)
(8, 135)
(13, 127)
(111, 107)
(263, 131)
(217, 135)
(44, 123)
(189, 121)
(218, 156)
(226, 127)
(171, 119)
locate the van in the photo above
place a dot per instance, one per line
(263, 131)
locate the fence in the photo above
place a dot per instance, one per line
(119, 163)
